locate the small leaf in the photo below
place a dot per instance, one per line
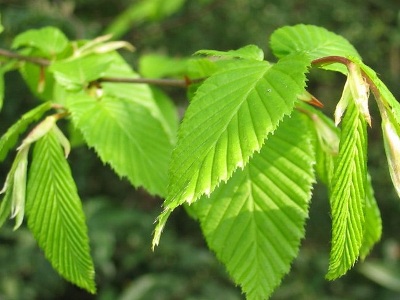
(49, 40)
(248, 52)
(19, 187)
(76, 74)
(348, 194)
(255, 221)
(315, 41)
(373, 221)
(159, 66)
(232, 113)
(9, 139)
(55, 214)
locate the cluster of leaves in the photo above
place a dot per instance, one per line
(244, 158)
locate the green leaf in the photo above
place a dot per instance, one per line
(255, 221)
(325, 140)
(315, 41)
(125, 135)
(228, 120)
(76, 74)
(39, 80)
(348, 194)
(55, 214)
(248, 52)
(159, 66)
(49, 40)
(9, 139)
(373, 221)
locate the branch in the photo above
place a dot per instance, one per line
(153, 81)
(35, 60)
(42, 62)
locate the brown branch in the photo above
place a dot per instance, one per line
(35, 60)
(42, 62)
(153, 81)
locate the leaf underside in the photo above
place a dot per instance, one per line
(55, 214)
(255, 221)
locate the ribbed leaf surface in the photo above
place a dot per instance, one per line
(348, 194)
(55, 214)
(255, 221)
(125, 135)
(227, 121)
(315, 41)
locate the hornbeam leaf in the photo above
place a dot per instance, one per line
(125, 135)
(9, 139)
(49, 40)
(315, 41)
(247, 52)
(255, 221)
(373, 221)
(55, 214)
(348, 194)
(226, 123)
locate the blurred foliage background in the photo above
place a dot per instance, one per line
(121, 219)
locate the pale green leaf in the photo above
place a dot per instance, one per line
(315, 41)
(226, 123)
(125, 135)
(139, 94)
(248, 52)
(159, 66)
(76, 74)
(55, 214)
(255, 221)
(348, 194)
(9, 139)
(49, 40)
(326, 142)
(5, 206)
(39, 80)
(373, 221)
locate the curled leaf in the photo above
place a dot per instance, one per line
(391, 137)
(19, 187)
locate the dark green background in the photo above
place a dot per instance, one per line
(120, 218)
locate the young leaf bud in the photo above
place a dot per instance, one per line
(391, 137)
(19, 187)
(39, 131)
(359, 90)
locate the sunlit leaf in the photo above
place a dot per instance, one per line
(314, 41)
(76, 74)
(247, 52)
(255, 221)
(49, 40)
(232, 113)
(55, 214)
(125, 135)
